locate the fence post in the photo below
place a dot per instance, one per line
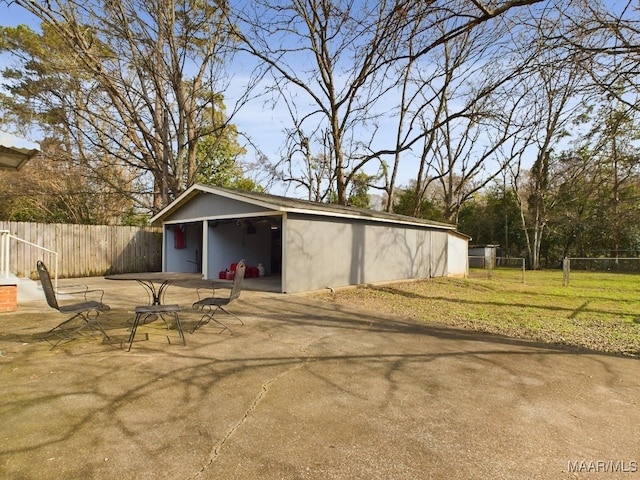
(490, 268)
(566, 266)
(523, 269)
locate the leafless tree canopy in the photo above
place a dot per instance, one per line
(148, 77)
(350, 71)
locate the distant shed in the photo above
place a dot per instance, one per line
(308, 245)
(483, 256)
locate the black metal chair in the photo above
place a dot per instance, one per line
(87, 311)
(210, 305)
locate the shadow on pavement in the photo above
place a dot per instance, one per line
(304, 390)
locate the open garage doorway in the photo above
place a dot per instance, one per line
(212, 246)
(257, 240)
(183, 247)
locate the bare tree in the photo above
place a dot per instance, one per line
(340, 63)
(464, 112)
(552, 86)
(606, 35)
(148, 76)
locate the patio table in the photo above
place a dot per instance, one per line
(156, 282)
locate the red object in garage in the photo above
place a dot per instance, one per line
(179, 240)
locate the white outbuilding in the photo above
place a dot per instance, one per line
(304, 245)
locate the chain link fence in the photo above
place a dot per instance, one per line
(502, 268)
(600, 264)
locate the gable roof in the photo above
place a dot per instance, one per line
(291, 205)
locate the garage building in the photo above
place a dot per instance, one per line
(304, 245)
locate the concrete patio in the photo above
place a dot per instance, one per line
(306, 390)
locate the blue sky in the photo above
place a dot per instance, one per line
(13, 15)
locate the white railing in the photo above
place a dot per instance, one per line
(5, 256)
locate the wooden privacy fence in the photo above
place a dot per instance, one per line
(84, 250)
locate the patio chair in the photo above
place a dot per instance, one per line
(210, 305)
(87, 311)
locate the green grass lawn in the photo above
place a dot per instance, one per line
(599, 311)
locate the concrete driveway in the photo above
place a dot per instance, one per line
(306, 390)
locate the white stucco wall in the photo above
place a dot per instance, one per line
(457, 256)
(326, 252)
